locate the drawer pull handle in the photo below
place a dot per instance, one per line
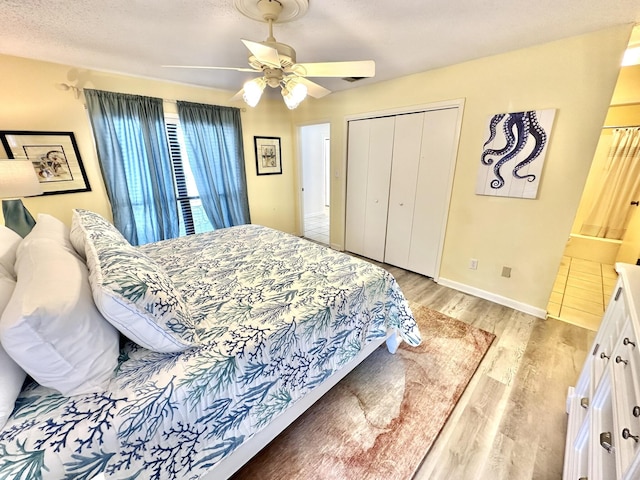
(604, 355)
(626, 434)
(619, 359)
(636, 411)
(605, 441)
(584, 403)
(626, 341)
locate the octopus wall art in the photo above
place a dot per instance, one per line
(513, 153)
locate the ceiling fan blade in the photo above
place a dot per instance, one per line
(361, 68)
(263, 53)
(238, 96)
(212, 68)
(313, 89)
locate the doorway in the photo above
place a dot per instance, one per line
(315, 156)
(586, 276)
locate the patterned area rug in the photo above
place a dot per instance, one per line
(380, 421)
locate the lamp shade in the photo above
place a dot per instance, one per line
(18, 179)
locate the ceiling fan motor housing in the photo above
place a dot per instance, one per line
(286, 53)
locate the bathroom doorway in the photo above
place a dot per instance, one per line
(315, 155)
(586, 276)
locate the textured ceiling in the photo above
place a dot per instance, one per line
(137, 37)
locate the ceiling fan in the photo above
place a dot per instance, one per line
(277, 61)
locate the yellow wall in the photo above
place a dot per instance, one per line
(576, 76)
(30, 99)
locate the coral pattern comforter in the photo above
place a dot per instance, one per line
(276, 314)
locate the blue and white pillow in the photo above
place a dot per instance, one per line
(132, 291)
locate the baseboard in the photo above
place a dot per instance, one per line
(499, 299)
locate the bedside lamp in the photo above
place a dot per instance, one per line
(18, 179)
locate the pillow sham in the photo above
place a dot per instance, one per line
(132, 291)
(85, 222)
(11, 375)
(51, 327)
(9, 242)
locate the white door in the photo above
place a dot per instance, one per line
(368, 174)
(438, 156)
(404, 175)
(357, 172)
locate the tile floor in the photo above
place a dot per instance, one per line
(316, 227)
(581, 292)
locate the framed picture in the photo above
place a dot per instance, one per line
(54, 156)
(268, 160)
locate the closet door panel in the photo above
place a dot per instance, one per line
(404, 173)
(439, 148)
(378, 177)
(357, 173)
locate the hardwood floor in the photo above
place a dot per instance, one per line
(511, 421)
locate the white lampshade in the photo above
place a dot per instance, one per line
(18, 179)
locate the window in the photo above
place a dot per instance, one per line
(193, 218)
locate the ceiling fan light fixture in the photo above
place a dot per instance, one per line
(293, 92)
(253, 91)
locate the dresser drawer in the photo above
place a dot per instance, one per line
(614, 321)
(603, 448)
(625, 365)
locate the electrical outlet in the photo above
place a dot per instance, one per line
(506, 272)
(473, 264)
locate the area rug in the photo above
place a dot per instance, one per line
(380, 421)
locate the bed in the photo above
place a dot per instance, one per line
(247, 328)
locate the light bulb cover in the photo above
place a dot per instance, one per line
(253, 91)
(293, 93)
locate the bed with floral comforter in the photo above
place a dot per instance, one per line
(275, 315)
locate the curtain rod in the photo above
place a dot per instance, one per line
(621, 126)
(171, 100)
(76, 91)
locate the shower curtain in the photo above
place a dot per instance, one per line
(612, 208)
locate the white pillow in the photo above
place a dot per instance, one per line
(9, 242)
(132, 291)
(49, 227)
(51, 326)
(11, 375)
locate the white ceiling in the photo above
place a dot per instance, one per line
(403, 36)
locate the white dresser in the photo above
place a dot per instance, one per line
(603, 431)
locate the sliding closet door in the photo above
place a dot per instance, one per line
(368, 174)
(438, 155)
(404, 175)
(357, 172)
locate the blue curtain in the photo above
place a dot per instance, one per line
(134, 158)
(213, 138)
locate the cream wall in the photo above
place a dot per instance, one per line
(576, 76)
(31, 100)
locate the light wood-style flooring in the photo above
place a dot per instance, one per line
(511, 421)
(581, 291)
